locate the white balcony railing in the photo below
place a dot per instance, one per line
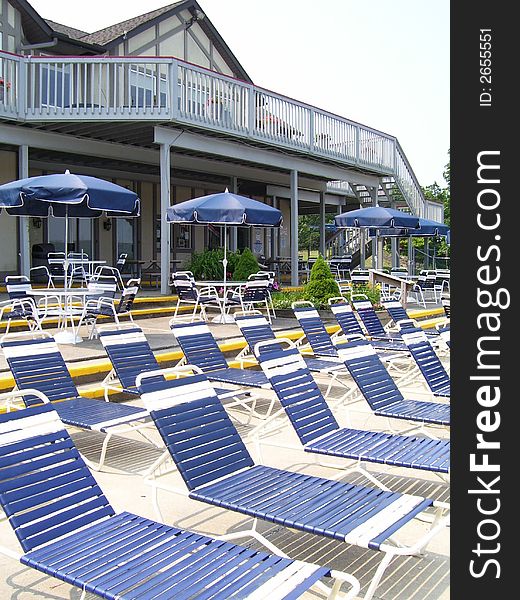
(37, 88)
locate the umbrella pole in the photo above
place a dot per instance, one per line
(66, 262)
(224, 262)
(64, 336)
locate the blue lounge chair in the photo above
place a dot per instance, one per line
(432, 369)
(374, 328)
(321, 344)
(382, 394)
(201, 349)
(130, 354)
(68, 530)
(218, 470)
(351, 328)
(320, 433)
(255, 328)
(37, 363)
(400, 319)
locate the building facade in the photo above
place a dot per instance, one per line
(161, 105)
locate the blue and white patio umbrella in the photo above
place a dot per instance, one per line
(376, 216)
(68, 195)
(225, 209)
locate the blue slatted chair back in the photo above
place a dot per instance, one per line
(195, 428)
(102, 286)
(314, 330)
(268, 276)
(56, 261)
(368, 317)
(446, 306)
(426, 358)
(360, 276)
(255, 291)
(46, 489)
(254, 328)
(129, 353)
(199, 346)
(398, 314)
(121, 261)
(346, 319)
(128, 296)
(18, 286)
(36, 362)
(298, 393)
(370, 374)
(185, 290)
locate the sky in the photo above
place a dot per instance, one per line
(382, 63)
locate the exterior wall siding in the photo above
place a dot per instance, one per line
(8, 223)
(10, 27)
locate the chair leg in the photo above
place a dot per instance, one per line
(268, 311)
(176, 310)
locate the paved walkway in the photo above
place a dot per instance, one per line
(408, 578)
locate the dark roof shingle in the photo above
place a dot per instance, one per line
(75, 34)
(104, 36)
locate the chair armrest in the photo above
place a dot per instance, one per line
(97, 303)
(209, 290)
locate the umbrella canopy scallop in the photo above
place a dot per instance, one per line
(428, 228)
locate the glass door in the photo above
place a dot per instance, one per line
(125, 241)
(80, 234)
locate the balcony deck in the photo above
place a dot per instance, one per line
(47, 91)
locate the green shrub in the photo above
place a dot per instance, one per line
(373, 292)
(232, 258)
(285, 299)
(322, 284)
(247, 264)
(208, 264)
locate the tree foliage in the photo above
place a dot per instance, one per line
(322, 284)
(247, 265)
(309, 231)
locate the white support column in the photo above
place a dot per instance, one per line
(394, 250)
(23, 222)
(275, 234)
(380, 241)
(411, 269)
(375, 240)
(165, 227)
(322, 224)
(362, 248)
(294, 227)
(233, 234)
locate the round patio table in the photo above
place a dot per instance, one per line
(224, 286)
(65, 334)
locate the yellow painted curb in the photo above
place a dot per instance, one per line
(103, 366)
